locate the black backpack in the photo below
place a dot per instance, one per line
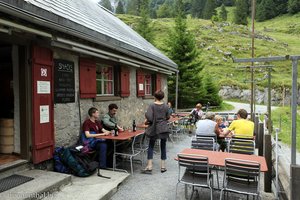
(85, 161)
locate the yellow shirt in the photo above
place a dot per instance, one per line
(242, 127)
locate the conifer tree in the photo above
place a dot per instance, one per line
(143, 27)
(120, 8)
(181, 48)
(266, 9)
(209, 9)
(294, 6)
(241, 12)
(211, 91)
(197, 8)
(106, 4)
(223, 13)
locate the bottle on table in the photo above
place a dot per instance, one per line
(133, 126)
(116, 130)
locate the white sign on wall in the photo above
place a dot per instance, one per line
(43, 87)
(44, 114)
(141, 86)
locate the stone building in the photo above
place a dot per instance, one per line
(59, 58)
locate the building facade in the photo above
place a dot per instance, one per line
(58, 59)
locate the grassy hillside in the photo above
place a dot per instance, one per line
(276, 37)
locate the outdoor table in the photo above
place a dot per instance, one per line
(217, 158)
(123, 136)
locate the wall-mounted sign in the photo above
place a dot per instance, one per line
(64, 81)
(44, 114)
(43, 87)
(141, 86)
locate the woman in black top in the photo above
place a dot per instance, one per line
(158, 112)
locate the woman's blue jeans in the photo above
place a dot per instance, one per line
(163, 151)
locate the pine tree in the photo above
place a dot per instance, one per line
(197, 8)
(134, 7)
(120, 8)
(211, 92)
(209, 9)
(266, 10)
(181, 48)
(223, 13)
(106, 4)
(241, 12)
(143, 26)
(294, 6)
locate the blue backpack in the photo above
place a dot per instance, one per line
(59, 166)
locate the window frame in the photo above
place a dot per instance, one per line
(103, 81)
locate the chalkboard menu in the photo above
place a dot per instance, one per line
(64, 82)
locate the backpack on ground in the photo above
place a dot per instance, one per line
(76, 168)
(59, 166)
(85, 161)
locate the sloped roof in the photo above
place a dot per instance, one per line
(93, 21)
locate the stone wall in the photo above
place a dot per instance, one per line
(278, 97)
(69, 117)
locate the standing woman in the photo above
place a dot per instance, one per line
(158, 112)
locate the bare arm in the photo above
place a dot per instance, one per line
(89, 135)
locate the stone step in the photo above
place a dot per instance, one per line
(13, 167)
(43, 184)
(92, 187)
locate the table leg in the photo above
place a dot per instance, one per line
(114, 156)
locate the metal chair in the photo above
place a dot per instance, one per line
(241, 177)
(196, 172)
(205, 143)
(133, 151)
(242, 146)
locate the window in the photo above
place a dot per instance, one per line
(148, 84)
(105, 80)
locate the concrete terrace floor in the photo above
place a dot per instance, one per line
(160, 186)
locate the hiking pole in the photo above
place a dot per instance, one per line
(100, 175)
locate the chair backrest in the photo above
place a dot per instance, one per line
(194, 163)
(242, 171)
(205, 143)
(137, 142)
(241, 146)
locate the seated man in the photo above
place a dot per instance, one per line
(207, 127)
(92, 128)
(109, 120)
(241, 126)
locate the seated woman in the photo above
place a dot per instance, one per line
(221, 127)
(92, 128)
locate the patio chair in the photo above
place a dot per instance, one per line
(242, 146)
(242, 177)
(132, 152)
(196, 172)
(205, 143)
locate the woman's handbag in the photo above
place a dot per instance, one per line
(151, 129)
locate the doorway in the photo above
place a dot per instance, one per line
(10, 137)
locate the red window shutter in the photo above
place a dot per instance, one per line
(125, 82)
(140, 80)
(158, 82)
(87, 78)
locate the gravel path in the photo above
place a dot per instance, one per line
(258, 108)
(160, 186)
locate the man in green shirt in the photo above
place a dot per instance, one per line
(109, 120)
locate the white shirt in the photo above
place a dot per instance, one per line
(206, 127)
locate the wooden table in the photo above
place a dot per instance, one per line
(123, 136)
(217, 158)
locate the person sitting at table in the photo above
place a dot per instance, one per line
(170, 110)
(207, 127)
(241, 126)
(220, 122)
(109, 120)
(221, 126)
(92, 128)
